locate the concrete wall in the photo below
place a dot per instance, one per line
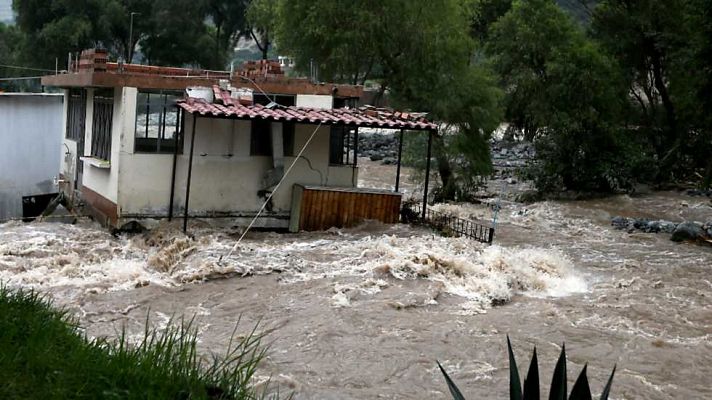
(225, 178)
(314, 101)
(105, 181)
(31, 127)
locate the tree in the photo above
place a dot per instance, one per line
(229, 21)
(262, 18)
(179, 35)
(338, 38)
(484, 14)
(566, 93)
(644, 37)
(125, 32)
(422, 52)
(520, 45)
(10, 41)
(57, 27)
(585, 146)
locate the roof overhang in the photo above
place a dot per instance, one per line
(289, 86)
(368, 117)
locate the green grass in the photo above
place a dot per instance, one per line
(44, 355)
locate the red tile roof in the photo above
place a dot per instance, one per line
(225, 106)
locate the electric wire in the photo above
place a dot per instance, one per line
(21, 78)
(26, 68)
(286, 173)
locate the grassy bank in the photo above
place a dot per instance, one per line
(44, 355)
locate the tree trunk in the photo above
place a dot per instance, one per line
(672, 138)
(447, 192)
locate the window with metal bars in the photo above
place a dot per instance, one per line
(159, 123)
(76, 114)
(342, 145)
(101, 125)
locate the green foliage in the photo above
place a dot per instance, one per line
(44, 356)
(569, 95)
(558, 389)
(339, 37)
(262, 16)
(180, 32)
(10, 42)
(663, 49)
(422, 52)
(521, 45)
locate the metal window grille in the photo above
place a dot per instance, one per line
(101, 126)
(342, 145)
(159, 123)
(76, 114)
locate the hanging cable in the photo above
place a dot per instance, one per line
(272, 192)
(21, 78)
(26, 68)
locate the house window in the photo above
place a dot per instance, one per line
(76, 114)
(159, 123)
(261, 138)
(102, 121)
(342, 145)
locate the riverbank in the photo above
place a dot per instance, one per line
(44, 354)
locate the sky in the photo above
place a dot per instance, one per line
(6, 11)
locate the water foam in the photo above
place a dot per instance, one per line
(361, 261)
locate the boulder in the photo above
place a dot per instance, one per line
(620, 222)
(376, 157)
(688, 230)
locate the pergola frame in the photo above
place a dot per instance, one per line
(197, 115)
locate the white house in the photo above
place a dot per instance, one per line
(142, 146)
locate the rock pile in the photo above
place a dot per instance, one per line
(684, 231)
(699, 192)
(378, 146)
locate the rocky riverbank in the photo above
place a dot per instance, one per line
(684, 231)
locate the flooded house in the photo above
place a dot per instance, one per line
(156, 142)
(30, 151)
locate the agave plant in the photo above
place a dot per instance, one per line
(558, 390)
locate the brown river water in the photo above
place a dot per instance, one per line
(364, 313)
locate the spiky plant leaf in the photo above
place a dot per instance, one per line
(607, 389)
(581, 390)
(531, 383)
(515, 385)
(454, 391)
(558, 382)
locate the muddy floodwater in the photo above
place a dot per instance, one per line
(364, 313)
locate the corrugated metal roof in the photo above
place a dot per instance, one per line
(225, 106)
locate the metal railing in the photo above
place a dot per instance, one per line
(447, 224)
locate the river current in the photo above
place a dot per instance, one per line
(364, 313)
